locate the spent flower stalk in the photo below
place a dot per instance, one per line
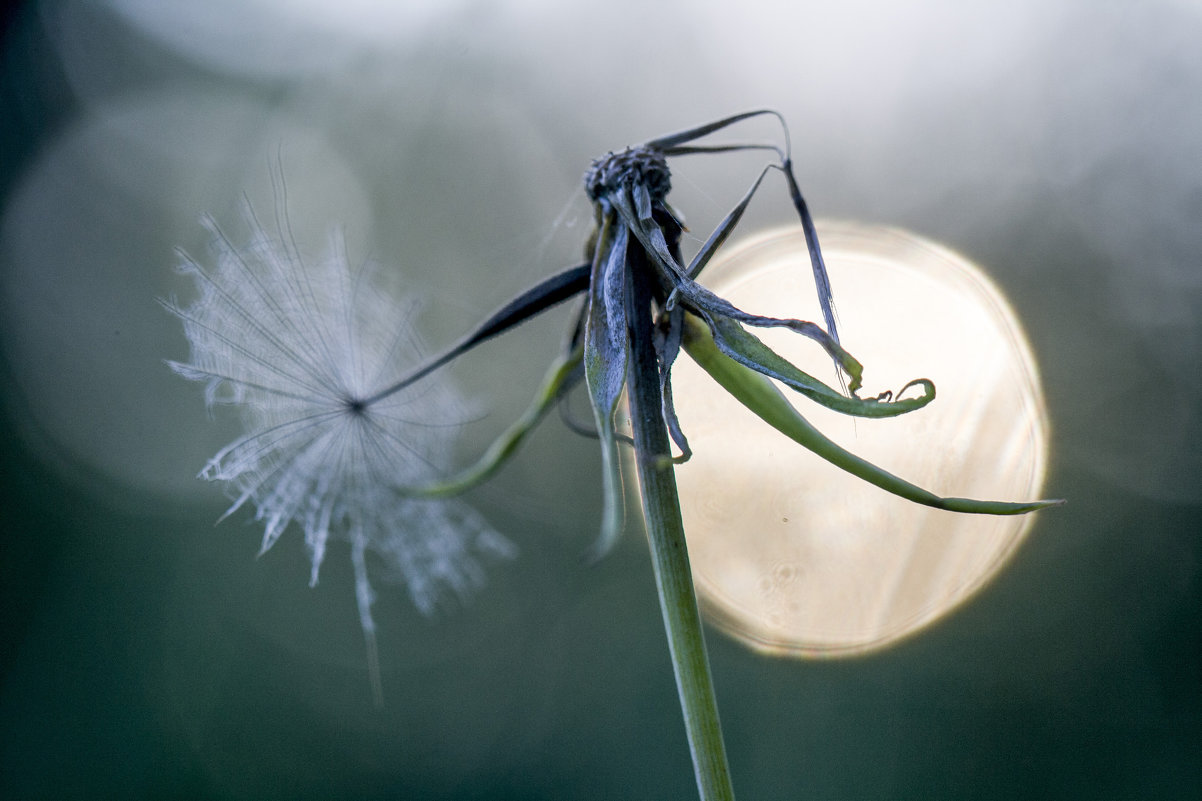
(643, 306)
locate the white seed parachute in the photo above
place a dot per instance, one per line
(304, 348)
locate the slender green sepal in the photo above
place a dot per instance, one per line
(724, 228)
(535, 300)
(666, 337)
(747, 349)
(761, 396)
(822, 283)
(605, 351)
(558, 380)
(668, 143)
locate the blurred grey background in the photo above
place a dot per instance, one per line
(147, 654)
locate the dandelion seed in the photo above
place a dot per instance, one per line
(307, 350)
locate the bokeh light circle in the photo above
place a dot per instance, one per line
(792, 555)
(87, 241)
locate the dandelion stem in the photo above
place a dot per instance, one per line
(665, 534)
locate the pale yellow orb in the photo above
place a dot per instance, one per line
(791, 554)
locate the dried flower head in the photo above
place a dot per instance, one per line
(307, 349)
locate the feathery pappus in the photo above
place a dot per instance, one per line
(304, 347)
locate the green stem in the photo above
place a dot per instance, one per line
(669, 553)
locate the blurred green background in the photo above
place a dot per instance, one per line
(147, 654)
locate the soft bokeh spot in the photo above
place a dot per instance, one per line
(794, 556)
(87, 242)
